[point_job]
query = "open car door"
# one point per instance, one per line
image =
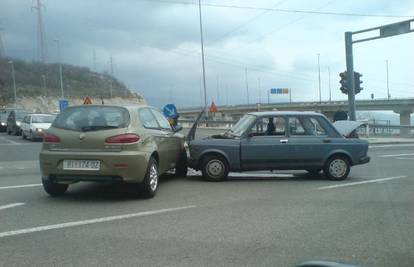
(191, 134)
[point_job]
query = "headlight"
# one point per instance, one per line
(3, 124)
(18, 123)
(39, 130)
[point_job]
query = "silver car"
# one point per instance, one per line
(278, 141)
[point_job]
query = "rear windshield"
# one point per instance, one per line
(42, 119)
(87, 118)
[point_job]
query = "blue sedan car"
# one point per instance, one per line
(278, 140)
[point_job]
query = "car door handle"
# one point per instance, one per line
(327, 140)
(284, 141)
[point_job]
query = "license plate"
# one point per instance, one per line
(87, 165)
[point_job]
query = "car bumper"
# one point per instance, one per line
(124, 166)
(364, 160)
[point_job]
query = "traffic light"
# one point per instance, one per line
(344, 82)
(358, 82)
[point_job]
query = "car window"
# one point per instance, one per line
(306, 126)
(269, 126)
(42, 119)
(147, 118)
(84, 118)
(296, 127)
(26, 119)
(162, 121)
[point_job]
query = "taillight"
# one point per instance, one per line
(51, 138)
(122, 139)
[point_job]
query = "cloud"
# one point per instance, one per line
(156, 46)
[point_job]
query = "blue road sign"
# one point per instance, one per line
(170, 111)
(63, 104)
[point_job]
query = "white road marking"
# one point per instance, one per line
(19, 186)
(10, 142)
(396, 155)
(91, 221)
(405, 158)
(10, 206)
(391, 145)
(362, 182)
(20, 168)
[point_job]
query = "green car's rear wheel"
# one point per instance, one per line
(150, 183)
(214, 168)
(54, 189)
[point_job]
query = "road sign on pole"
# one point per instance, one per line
(87, 101)
(170, 111)
(63, 103)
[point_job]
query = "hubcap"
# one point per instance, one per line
(215, 168)
(338, 168)
(153, 181)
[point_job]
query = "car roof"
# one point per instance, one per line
(128, 106)
(40, 114)
(285, 113)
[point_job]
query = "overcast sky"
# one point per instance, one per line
(156, 46)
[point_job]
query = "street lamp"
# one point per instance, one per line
(60, 66)
(14, 82)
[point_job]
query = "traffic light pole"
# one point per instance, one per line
(350, 74)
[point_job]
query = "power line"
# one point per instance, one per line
(328, 13)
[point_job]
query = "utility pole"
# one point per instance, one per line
(57, 41)
(227, 95)
(14, 82)
(2, 50)
(319, 78)
(218, 90)
(94, 61)
(247, 86)
(388, 81)
(111, 69)
(268, 96)
(202, 59)
(260, 93)
(44, 84)
(329, 84)
(41, 39)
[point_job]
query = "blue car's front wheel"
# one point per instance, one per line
(214, 168)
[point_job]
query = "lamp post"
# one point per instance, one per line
(14, 82)
(57, 41)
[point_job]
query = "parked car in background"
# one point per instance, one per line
(278, 140)
(4, 114)
(14, 121)
(103, 143)
(34, 125)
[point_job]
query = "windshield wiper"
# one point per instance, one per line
(97, 127)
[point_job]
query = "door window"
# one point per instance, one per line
(147, 119)
(269, 126)
(305, 126)
(162, 121)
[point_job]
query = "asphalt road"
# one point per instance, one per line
(255, 219)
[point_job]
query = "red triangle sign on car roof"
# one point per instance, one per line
(87, 101)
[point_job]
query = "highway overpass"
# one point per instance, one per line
(404, 107)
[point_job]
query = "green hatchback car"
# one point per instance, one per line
(102, 143)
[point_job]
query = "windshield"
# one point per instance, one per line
(42, 119)
(92, 118)
(243, 124)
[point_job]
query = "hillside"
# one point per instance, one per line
(77, 82)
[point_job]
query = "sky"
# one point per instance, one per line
(155, 46)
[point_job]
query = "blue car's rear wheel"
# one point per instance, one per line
(337, 168)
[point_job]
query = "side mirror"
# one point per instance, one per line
(177, 128)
